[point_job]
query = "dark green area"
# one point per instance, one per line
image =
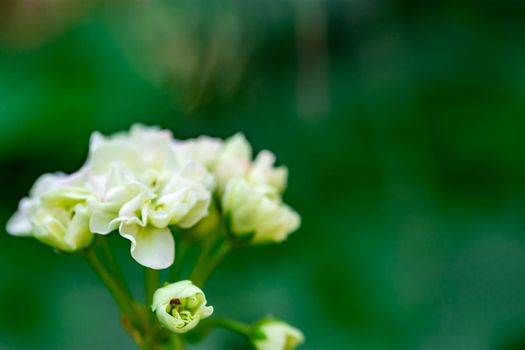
(403, 127)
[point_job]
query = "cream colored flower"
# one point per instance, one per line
(256, 213)
(180, 306)
(276, 335)
(251, 193)
(55, 213)
(142, 190)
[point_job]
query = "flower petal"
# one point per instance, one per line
(19, 224)
(180, 289)
(150, 246)
(102, 222)
(78, 234)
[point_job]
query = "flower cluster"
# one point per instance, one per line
(150, 188)
(145, 182)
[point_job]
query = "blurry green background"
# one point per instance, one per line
(402, 124)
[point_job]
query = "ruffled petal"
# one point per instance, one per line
(151, 247)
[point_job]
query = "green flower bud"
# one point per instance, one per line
(180, 306)
(275, 335)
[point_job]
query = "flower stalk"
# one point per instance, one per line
(117, 290)
(183, 250)
(209, 261)
(229, 324)
(151, 283)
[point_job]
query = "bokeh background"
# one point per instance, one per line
(402, 124)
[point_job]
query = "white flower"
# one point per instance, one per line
(55, 213)
(180, 306)
(204, 150)
(256, 213)
(276, 335)
(141, 190)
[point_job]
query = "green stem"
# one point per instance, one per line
(207, 247)
(203, 271)
(232, 325)
(112, 263)
(151, 283)
(178, 343)
(180, 259)
(150, 339)
(119, 293)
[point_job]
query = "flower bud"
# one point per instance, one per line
(180, 306)
(256, 214)
(264, 172)
(275, 335)
(233, 161)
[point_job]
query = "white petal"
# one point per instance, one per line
(150, 246)
(19, 224)
(263, 171)
(130, 208)
(154, 145)
(278, 335)
(205, 311)
(95, 140)
(78, 234)
(112, 153)
(102, 222)
(237, 146)
(199, 211)
(180, 289)
(46, 182)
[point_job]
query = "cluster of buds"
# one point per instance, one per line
(143, 185)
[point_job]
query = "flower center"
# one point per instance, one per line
(185, 308)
